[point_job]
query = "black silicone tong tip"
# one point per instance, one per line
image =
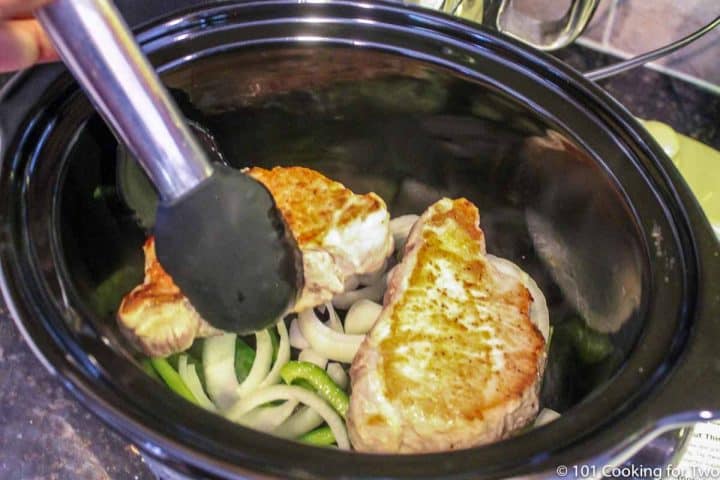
(253, 282)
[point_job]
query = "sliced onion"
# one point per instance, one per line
(283, 356)
(400, 228)
(311, 356)
(373, 292)
(338, 375)
(301, 422)
(334, 319)
(219, 367)
(219, 364)
(545, 416)
(371, 278)
(328, 343)
(539, 313)
(296, 337)
(267, 419)
(289, 392)
(192, 381)
(261, 366)
(362, 316)
(351, 283)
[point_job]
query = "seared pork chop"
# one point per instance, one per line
(340, 233)
(156, 316)
(454, 359)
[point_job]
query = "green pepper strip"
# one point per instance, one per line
(244, 358)
(549, 339)
(275, 340)
(147, 367)
(319, 380)
(321, 437)
(172, 379)
(304, 384)
(591, 346)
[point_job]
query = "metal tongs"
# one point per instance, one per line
(218, 231)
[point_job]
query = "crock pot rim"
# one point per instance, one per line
(74, 378)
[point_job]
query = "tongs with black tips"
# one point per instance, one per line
(218, 231)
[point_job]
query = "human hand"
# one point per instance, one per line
(22, 40)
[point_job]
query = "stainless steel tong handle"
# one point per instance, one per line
(97, 46)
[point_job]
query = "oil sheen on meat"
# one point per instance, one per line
(340, 234)
(156, 316)
(454, 360)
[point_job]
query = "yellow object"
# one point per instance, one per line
(468, 9)
(698, 163)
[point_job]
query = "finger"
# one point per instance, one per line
(20, 16)
(22, 44)
(14, 8)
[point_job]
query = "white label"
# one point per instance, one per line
(701, 459)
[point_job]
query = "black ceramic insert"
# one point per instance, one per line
(412, 106)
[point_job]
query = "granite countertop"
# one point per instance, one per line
(46, 433)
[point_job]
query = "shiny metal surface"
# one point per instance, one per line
(541, 34)
(652, 55)
(666, 449)
(100, 51)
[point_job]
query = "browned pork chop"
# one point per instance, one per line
(156, 316)
(454, 360)
(339, 233)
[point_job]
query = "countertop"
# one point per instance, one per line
(46, 433)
